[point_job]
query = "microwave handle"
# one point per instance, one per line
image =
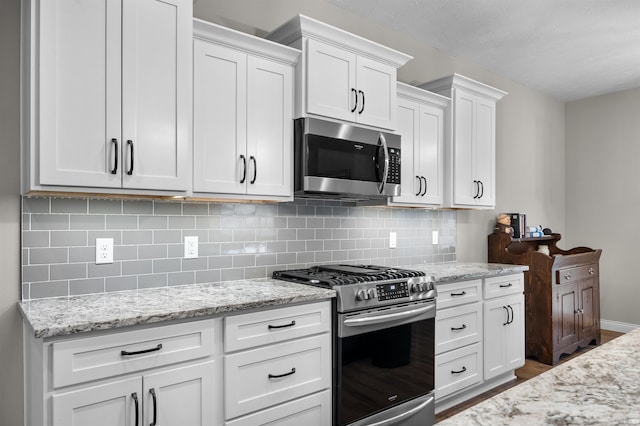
(385, 173)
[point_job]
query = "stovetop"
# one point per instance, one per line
(365, 286)
(337, 275)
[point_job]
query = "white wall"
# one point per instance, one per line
(530, 127)
(603, 193)
(11, 388)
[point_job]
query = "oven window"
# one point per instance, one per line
(340, 159)
(383, 368)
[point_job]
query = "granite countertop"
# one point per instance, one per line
(460, 271)
(77, 314)
(599, 387)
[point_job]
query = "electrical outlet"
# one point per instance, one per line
(434, 237)
(190, 247)
(393, 241)
(104, 250)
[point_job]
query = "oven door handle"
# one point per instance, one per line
(358, 322)
(395, 419)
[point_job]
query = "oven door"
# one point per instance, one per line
(385, 361)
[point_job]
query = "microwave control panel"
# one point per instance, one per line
(394, 166)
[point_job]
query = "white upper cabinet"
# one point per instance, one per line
(470, 147)
(421, 125)
(243, 115)
(341, 75)
(107, 95)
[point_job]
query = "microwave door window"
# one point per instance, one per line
(340, 159)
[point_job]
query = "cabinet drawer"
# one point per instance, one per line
(250, 377)
(458, 293)
(457, 327)
(503, 285)
(577, 273)
(275, 325)
(84, 359)
(458, 369)
(312, 410)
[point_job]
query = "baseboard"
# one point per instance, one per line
(620, 327)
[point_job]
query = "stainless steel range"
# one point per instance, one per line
(383, 342)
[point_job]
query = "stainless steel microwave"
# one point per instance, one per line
(342, 161)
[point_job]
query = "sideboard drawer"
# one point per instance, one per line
(457, 327)
(84, 359)
(458, 369)
(275, 325)
(567, 275)
(503, 285)
(458, 293)
(263, 377)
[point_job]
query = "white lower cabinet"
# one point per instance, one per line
(283, 369)
(479, 336)
(176, 396)
(276, 371)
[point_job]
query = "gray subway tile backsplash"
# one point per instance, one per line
(236, 241)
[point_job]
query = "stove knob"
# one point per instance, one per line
(372, 293)
(415, 288)
(362, 295)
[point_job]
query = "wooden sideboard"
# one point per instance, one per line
(562, 293)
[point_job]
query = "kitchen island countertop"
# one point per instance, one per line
(103, 311)
(599, 387)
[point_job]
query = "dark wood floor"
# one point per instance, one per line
(530, 369)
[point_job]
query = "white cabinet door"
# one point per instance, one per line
(331, 81)
(182, 396)
(421, 126)
(408, 127)
(376, 86)
(219, 119)
(79, 93)
(111, 404)
(269, 128)
(156, 43)
(430, 153)
(485, 151)
(503, 335)
(465, 185)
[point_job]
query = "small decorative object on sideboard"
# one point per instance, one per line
(561, 290)
(504, 224)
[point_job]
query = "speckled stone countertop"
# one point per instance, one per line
(459, 271)
(77, 314)
(599, 387)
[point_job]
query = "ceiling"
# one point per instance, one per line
(569, 49)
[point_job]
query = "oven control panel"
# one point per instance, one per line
(392, 291)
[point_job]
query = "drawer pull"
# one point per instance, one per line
(567, 276)
(592, 271)
(462, 293)
(136, 406)
(459, 371)
(144, 351)
(152, 391)
(506, 285)
(277, 376)
(291, 324)
(459, 328)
